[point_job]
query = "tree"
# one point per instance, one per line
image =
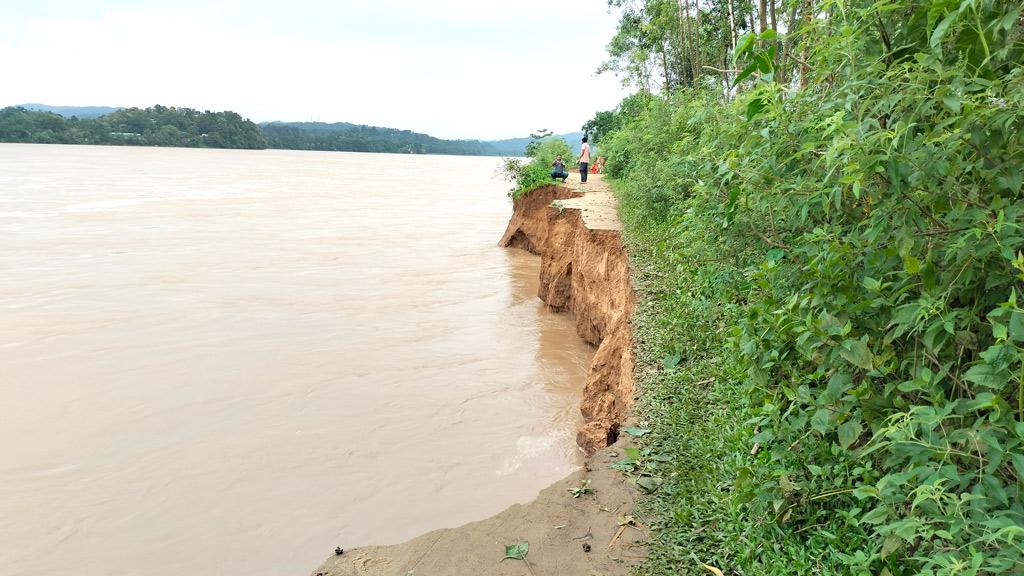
(536, 138)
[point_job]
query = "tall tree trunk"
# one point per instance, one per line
(787, 45)
(727, 87)
(696, 51)
(732, 28)
(775, 27)
(684, 33)
(690, 44)
(664, 67)
(805, 51)
(762, 15)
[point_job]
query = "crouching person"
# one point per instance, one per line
(558, 169)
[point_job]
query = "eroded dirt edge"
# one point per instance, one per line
(584, 271)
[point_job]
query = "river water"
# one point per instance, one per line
(230, 362)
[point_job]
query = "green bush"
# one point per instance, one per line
(849, 257)
(527, 176)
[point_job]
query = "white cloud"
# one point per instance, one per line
(438, 77)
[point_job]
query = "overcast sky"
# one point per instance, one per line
(450, 68)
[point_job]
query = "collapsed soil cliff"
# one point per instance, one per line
(585, 271)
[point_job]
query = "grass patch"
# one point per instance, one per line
(691, 283)
(691, 393)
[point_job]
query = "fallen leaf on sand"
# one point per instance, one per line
(713, 570)
(517, 551)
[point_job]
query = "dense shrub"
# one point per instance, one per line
(860, 240)
(536, 172)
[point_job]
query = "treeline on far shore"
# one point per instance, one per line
(185, 127)
(156, 126)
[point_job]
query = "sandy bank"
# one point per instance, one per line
(584, 271)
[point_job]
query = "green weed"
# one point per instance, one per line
(582, 489)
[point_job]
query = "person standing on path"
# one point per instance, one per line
(584, 159)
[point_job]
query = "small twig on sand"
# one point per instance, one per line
(617, 534)
(528, 566)
(589, 534)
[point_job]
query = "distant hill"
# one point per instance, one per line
(346, 137)
(69, 111)
(517, 146)
(182, 127)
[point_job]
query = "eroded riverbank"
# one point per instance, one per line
(584, 270)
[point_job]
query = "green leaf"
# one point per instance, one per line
(754, 107)
(862, 492)
(838, 384)
(999, 355)
(952, 102)
(999, 331)
(911, 265)
(986, 375)
(821, 420)
(746, 42)
(849, 432)
(929, 275)
(742, 486)
(1016, 327)
(1018, 464)
(941, 29)
(648, 484)
(876, 516)
(517, 551)
(750, 69)
(982, 401)
(671, 361)
(637, 432)
(1008, 20)
(892, 543)
(624, 465)
(856, 352)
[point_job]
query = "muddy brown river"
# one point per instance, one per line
(230, 362)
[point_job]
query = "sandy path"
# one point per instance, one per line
(598, 206)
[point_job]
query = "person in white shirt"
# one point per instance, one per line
(584, 160)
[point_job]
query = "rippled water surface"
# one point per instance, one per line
(229, 362)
